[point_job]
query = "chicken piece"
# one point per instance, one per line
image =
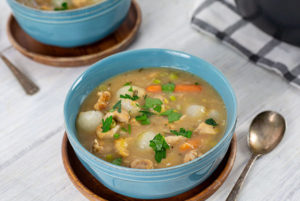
(122, 117)
(96, 148)
(204, 128)
(99, 147)
(191, 155)
(121, 146)
(107, 135)
(141, 164)
(102, 102)
(172, 140)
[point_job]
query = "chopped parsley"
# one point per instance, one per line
(168, 88)
(211, 122)
(130, 89)
(116, 135)
(64, 6)
(117, 106)
(106, 124)
(160, 146)
(117, 161)
(182, 132)
(127, 96)
(144, 117)
(172, 115)
(154, 103)
(127, 83)
(128, 130)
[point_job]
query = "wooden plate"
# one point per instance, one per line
(95, 191)
(78, 56)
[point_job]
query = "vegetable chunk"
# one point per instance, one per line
(204, 128)
(121, 146)
(141, 164)
(88, 121)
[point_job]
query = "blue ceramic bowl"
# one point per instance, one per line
(155, 183)
(71, 28)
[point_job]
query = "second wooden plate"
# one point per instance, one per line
(78, 56)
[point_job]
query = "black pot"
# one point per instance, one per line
(280, 18)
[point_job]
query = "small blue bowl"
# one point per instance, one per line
(155, 183)
(71, 28)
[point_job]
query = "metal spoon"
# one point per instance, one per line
(28, 85)
(265, 133)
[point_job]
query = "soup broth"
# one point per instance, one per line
(58, 4)
(151, 118)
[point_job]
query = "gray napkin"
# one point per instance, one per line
(221, 19)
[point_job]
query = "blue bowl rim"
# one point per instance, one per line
(97, 160)
(71, 11)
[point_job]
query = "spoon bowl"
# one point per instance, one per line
(266, 131)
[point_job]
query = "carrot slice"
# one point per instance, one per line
(178, 88)
(186, 146)
(190, 144)
(154, 88)
(187, 88)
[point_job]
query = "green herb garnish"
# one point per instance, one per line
(172, 115)
(117, 161)
(116, 135)
(128, 130)
(64, 6)
(160, 146)
(144, 117)
(106, 124)
(127, 96)
(182, 132)
(211, 122)
(127, 83)
(196, 83)
(130, 89)
(168, 88)
(154, 103)
(117, 106)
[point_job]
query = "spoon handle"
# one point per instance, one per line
(29, 87)
(235, 190)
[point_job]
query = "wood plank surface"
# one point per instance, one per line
(31, 127)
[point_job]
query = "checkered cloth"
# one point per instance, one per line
(221, 19)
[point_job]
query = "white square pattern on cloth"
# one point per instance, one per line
(221, 19)
(251, 37)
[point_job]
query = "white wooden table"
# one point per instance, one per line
(31, 127)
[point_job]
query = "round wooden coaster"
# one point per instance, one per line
(95, 191)
(78, 56)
